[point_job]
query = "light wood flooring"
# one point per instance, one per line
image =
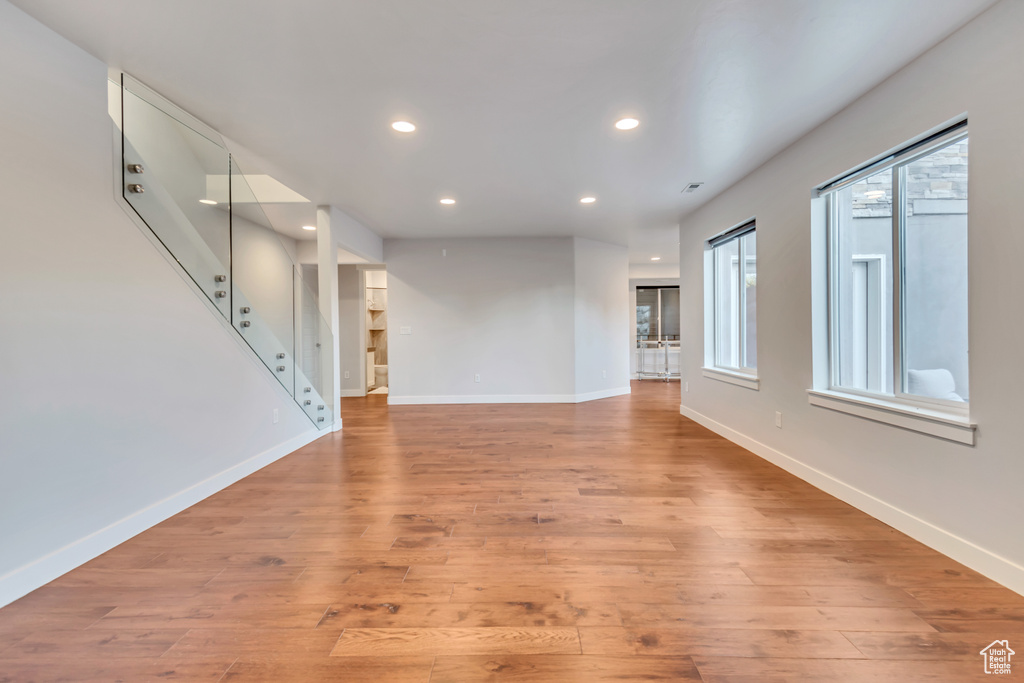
(608, 541)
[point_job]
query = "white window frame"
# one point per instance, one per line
(940, 417)
(713, 369)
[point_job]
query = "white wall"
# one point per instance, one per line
(306, 252)
(602, 318)
(124, 398)
(965, 501)
(500, 307)
(352, 345)
(263, 270)
(539, 318)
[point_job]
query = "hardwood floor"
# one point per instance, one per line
(612, 540)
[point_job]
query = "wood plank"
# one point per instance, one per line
(946, 597)
(684, 640)
(37, 612)
(73, 666)
(101, 643)
(605, 544)
(348, 669)
(211, 616)
(963, 646)
(387, 642)
(767, 670)
(796, 574)
(783, 617)
(836, 596)
(967, 619)
(508, 613)
(244, 641)
(605, 575)
(547, 668)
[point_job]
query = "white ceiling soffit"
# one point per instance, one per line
(346, 257)
(514, 100)
(653, 271)
(265, 201)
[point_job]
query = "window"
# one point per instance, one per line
(897, 276)
(732, 271)
(657, 313)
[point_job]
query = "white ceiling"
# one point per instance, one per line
(514, 99)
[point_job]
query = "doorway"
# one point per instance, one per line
(657, 333)
(376, 295)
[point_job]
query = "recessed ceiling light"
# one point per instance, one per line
(208, 201)
(588, 200)
(403, 126)
(448, 200)
(655, 258)
(309, 227)
(627, 124)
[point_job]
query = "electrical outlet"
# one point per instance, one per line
(686, 387)
(778, 419)
(604, 374)
(476, 378)
(404, 330)
(277, 416)
(347, 374)
(444, 252)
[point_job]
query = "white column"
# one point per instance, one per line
(327, 268)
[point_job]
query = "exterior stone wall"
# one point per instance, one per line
(936, 184)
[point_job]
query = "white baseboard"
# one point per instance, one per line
(604, 393)
(505, 398)
(998, 568)
(27, 578)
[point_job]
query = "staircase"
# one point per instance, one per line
(181, 180)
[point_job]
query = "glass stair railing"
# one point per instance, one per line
(183, 183)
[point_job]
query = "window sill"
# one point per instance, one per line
(740, 379)
(936, 423)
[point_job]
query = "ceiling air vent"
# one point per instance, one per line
(690, 187)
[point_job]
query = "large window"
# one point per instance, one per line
(657, 313)
(733, 297)
(897, 274)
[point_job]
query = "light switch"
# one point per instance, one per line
(405, 330)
